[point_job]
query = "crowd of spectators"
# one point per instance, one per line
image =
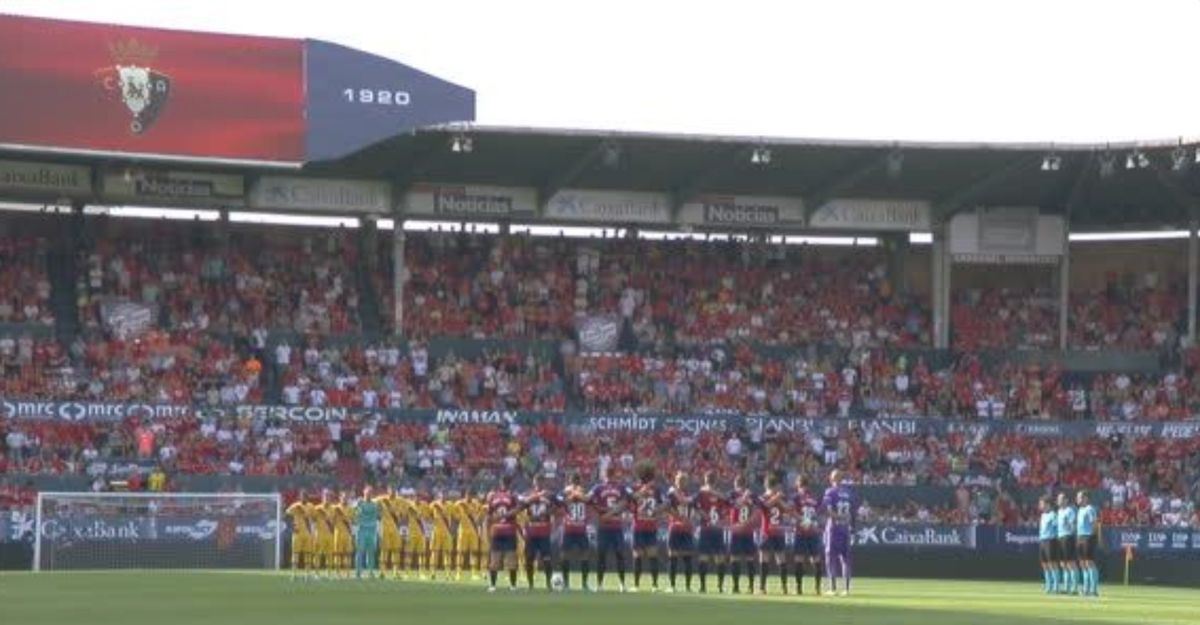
(481, 286)
(1130, 312)
(156, 367)
(993, 319)
(692, 294)
(665, 293)
(873, 382)
(235, 283)
(385, 375)
(246, 316)
(24, 282)
(1141, 480)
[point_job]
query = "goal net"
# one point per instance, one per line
(157, 531)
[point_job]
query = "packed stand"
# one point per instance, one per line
(1000, 318)
(385, 376)
(1130, 312)
(195, 280)
(1147, 481)
(157, 367)
(685, 294)
(872, 382)
(478, 286)
(24, 282)
(693, 294)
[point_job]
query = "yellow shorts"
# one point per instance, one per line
(469, 541)
(323, 544)
(301, 543)
(390, 541)
(416, 539)
(343, 542)
(441, 541)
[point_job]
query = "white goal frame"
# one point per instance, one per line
(275, 498)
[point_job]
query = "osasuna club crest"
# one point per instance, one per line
(140, 88)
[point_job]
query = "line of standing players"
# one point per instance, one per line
(732, 533)
(1069, 538)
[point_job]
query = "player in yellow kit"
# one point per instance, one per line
(302, 535)
(467, 544)
(522, 519)
(441, 537)
(390, 546)
(321, 517)
(418, 556)
(402, 508)
(479, 509)
(343, 535)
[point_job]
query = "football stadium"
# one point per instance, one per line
(287, 336)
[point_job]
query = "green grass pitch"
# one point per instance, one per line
(184, 598)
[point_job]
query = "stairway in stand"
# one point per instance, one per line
(63, 273)
(368, 299)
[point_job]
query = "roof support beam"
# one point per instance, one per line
(1075, 194)
(1181, 195)
(563, 178)
(711, 174)
(845, 181)
(418, 165)
(947, 206)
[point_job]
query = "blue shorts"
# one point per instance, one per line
(610, 540)
(537, 548)
(742, 545)
(504, 544)
(681, 542)
(775, 543)
(808, 545)
(575, 541)
(712, 542)
(645, 539)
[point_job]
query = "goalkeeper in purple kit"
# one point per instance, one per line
(841, 509)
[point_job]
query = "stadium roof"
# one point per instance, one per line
(1150, 193)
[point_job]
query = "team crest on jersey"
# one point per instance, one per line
(141, 89)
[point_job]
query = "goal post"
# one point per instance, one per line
(97, 531)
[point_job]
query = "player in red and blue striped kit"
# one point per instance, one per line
(502, 506)
(711, 508)
(743, 520)
(806, 509)
(611, 500)
(681, 507)
(577, 515)
(774, 512)
(647, 502)
(539, 506)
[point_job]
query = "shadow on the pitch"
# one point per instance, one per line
(607, 609)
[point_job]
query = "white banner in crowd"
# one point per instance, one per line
(177, 187)
(743, 211)
(321, 194)
(45, 180)
(598, 333)
(470, 201)
(609, 207)
(125, 319)
(865, 214)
